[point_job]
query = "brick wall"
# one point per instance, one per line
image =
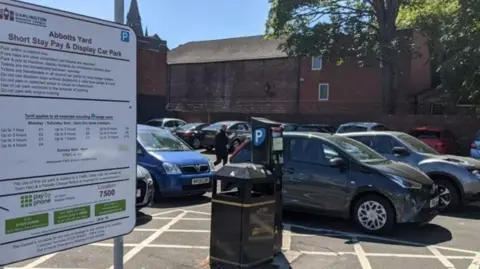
(152, 72)
(354, 88)
(236, 86)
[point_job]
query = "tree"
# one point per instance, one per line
(340, 29)
(452, 28)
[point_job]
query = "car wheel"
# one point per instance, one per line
(157, 196)
(449, 196)
(235, 144)
(374, 214)
(196, 143)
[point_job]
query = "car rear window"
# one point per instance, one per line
(351, 129)
(308, 129)
(289, 127)
(379, 128)
(425, 134)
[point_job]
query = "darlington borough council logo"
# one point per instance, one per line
(7, 14)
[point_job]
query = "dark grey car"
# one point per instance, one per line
(338, 176)
(458, 178)
(237, 132)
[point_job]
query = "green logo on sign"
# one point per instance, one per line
(26, 201)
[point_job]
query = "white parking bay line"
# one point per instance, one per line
(176, 246)
(39, 260)
(166, 212)
(440, 257)
(362, 257)
(187, 231)
(475, 263)
(151, 238)
(287, 237)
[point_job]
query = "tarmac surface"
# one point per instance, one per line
(175, 235)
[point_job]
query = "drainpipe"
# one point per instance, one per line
(299, 75)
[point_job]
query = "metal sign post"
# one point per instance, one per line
(118, 241)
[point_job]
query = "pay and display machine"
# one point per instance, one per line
(267, 150)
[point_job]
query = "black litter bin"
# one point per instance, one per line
(242, 221)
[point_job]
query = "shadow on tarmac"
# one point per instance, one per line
(470, 211)
(143, 218)
(404, 235)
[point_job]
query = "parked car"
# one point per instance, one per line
(441, 139)
(289, 127)
(237, 131)
(144, 194)
(321, 128)
(360, 127)
(475, 146)
(335, 175)
(168, 123)
(192, 133)
(176, 168)
(458, 178)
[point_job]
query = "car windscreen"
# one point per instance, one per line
(425, 134)
(189, 126)
(416, 144)
(161, 141)
(356, 149)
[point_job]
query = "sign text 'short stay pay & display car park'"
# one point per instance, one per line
(67, 130)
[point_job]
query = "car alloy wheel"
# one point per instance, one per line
(196, 143)
(372, 215)
(235, 144)
(445, 197)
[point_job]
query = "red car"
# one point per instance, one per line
(440, 139)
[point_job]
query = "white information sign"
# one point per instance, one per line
(67, 130)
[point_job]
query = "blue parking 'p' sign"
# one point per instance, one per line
(125, 36)
(259, 136)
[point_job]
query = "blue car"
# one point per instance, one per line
(176, 169)
(475, 147)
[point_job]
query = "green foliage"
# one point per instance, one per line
(452, 28)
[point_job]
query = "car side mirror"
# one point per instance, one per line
(400, 151)
(139, 152)
(337, 162)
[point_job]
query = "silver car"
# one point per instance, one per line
(458, 178)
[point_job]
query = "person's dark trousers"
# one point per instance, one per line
(221, 158)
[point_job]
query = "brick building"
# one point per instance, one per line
(250, 75)
(151, 69)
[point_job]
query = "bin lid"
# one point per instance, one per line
(243, 171)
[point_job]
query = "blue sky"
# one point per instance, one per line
(181, 21)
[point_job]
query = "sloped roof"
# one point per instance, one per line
(231, 49)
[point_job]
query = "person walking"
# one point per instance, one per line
(221, 145)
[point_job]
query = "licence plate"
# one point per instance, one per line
(434, 202)
(198, 181)
(139, 192)
(211, 136)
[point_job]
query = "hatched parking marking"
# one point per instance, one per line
(292, 255)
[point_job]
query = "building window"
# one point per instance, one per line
(317, 63)
(323, 91)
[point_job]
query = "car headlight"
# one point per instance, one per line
(476, 173)
(405, 183)
(171, 169)
(212, 166)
